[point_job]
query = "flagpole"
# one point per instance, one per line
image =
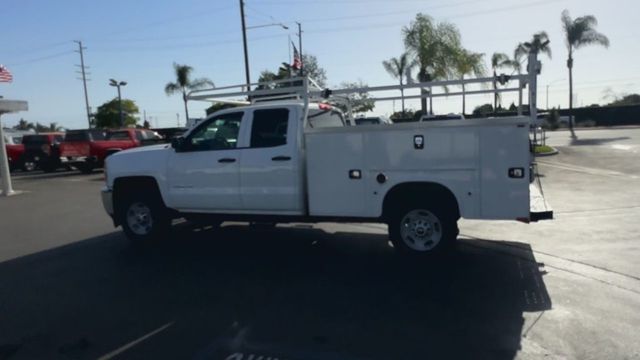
(289, 45)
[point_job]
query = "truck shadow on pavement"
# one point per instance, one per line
(591, 142)
(288, 293)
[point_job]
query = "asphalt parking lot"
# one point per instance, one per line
(71, 287)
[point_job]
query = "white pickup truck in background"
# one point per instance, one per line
(297, 161)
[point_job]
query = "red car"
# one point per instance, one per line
(87, 149)
(42, 151)
(14, 153)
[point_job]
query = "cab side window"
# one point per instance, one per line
(219, 133)
(269, 128)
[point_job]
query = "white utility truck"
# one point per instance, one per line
(287, 155)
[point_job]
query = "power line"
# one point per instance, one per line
(42, 58)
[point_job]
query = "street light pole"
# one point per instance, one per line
(118, 84)
(244, 42)
(120, 107)
(300, 46)
(549, 84)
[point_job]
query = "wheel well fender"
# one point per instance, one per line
(125, 186)
(404, 192)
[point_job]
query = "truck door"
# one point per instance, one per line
(203, 174)
(270, 171)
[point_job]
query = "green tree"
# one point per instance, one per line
(359, 100)
(483, 110)
(24, 125)
(632, 99)
(435, 47)
(184, 84)
(398, 68)
(313, 69)
(469, 63)
(108, 114)
(579, 32)
(217, 107)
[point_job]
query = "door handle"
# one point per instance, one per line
(281, 158)
(227, 160)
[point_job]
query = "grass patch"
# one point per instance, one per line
(543, 149)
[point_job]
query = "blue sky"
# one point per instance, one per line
(138, 41)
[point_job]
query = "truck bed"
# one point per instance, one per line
(472, 158)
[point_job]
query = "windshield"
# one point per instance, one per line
(35, 139)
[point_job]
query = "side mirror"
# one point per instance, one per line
(177, 143)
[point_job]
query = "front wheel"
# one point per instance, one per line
(421, 229)
(144, 218)
(28, 165)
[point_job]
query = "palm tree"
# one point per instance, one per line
(579, 32)
(398, 68)
(538, 44)
(435, 47)
(184, 84)
(471, 63)
(498, 61)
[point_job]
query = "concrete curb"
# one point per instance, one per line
(550, 153)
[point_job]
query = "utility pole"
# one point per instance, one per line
(84, 79)
(178, 119)
(300, 46)
(244, 42)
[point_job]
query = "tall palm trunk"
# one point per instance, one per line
(570, 66)
(430, 100)
(495, 92)
(464, 98)
(186, 109)
(402, 94)
(422, 77)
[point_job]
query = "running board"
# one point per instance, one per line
(539, 209)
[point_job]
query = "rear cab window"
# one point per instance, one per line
(118, 135)
(325, 116)
(84, 135)
(269, 128)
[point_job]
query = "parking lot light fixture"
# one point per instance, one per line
(118, 84)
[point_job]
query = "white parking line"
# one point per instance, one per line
(587, 170)
(135, 342)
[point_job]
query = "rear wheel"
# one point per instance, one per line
(85, 168)
(48, 166)
(144, 217)
(423, 229)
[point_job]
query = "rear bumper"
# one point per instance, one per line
(78, 159)
(107, 200)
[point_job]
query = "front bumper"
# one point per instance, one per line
(107, 200)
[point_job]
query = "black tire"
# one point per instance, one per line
(432, 231)
(85, 168)
(48, 167)
(143, 217)
(28, 165)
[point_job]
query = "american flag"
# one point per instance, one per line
(5, 75)
(297, 61)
